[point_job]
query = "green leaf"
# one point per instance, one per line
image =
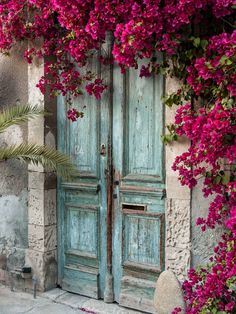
(226, 179)
(196, 42)
(229, 62)
(209, 66)
(225, 60)
(203, 43)
(18, 114)
(217, 179)
(48, 157)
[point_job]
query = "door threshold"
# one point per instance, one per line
(85, 304)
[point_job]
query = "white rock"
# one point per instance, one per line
(168, 293)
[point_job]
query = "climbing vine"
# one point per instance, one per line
(198, 42)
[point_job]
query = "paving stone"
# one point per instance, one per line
(72, 300)
(53, 308)
(21, 303)
(99, 307)
(168, 293)
(53, 294)
(55, 301)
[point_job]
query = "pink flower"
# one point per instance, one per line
(73, 114)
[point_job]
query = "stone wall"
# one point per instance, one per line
(186, 245)
(42, 221)
(178, 204)
(28, 232)
(13, 179)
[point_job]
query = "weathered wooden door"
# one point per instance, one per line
(111, 217)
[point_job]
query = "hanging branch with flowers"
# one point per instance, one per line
(198, 41)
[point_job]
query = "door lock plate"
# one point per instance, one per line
(103, 150)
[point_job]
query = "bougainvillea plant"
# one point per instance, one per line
(198, 42)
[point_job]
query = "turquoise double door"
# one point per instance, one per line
(111, 216)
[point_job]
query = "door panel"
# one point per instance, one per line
(142, 150)
(82, 201)
(111, 216)
(138, 231)
(139, 188)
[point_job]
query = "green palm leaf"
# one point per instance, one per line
(48, 157)
(18, 115)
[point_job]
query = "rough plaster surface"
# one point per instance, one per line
(202, 242)
(178, 221)
(178, 236)
(13, 180)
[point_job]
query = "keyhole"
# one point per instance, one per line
(103, 150)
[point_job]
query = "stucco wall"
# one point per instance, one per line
(14, 178)
(202, 242)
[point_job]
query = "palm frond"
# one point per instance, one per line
(48, 157)
(18, 114)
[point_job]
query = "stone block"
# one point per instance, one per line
(174, 190)
(72, 300)
(54, 294)
(36, 237)
(36, 180)
(36, 207)
(44, 267)
(36, 130)
(178, 260)
(171, 84)
(42, 206)
(178, 223)
(50, 206)
(42, 238)
(168, 294)
(173, 150)
(50, 238)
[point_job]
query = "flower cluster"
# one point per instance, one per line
(72, 30)
(213, 289)
(96, 88)
(73, 114)
(212, 133)
(214, 72)
(198, 38)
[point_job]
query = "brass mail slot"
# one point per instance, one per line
(134, 207)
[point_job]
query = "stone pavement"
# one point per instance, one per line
(55, 301)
